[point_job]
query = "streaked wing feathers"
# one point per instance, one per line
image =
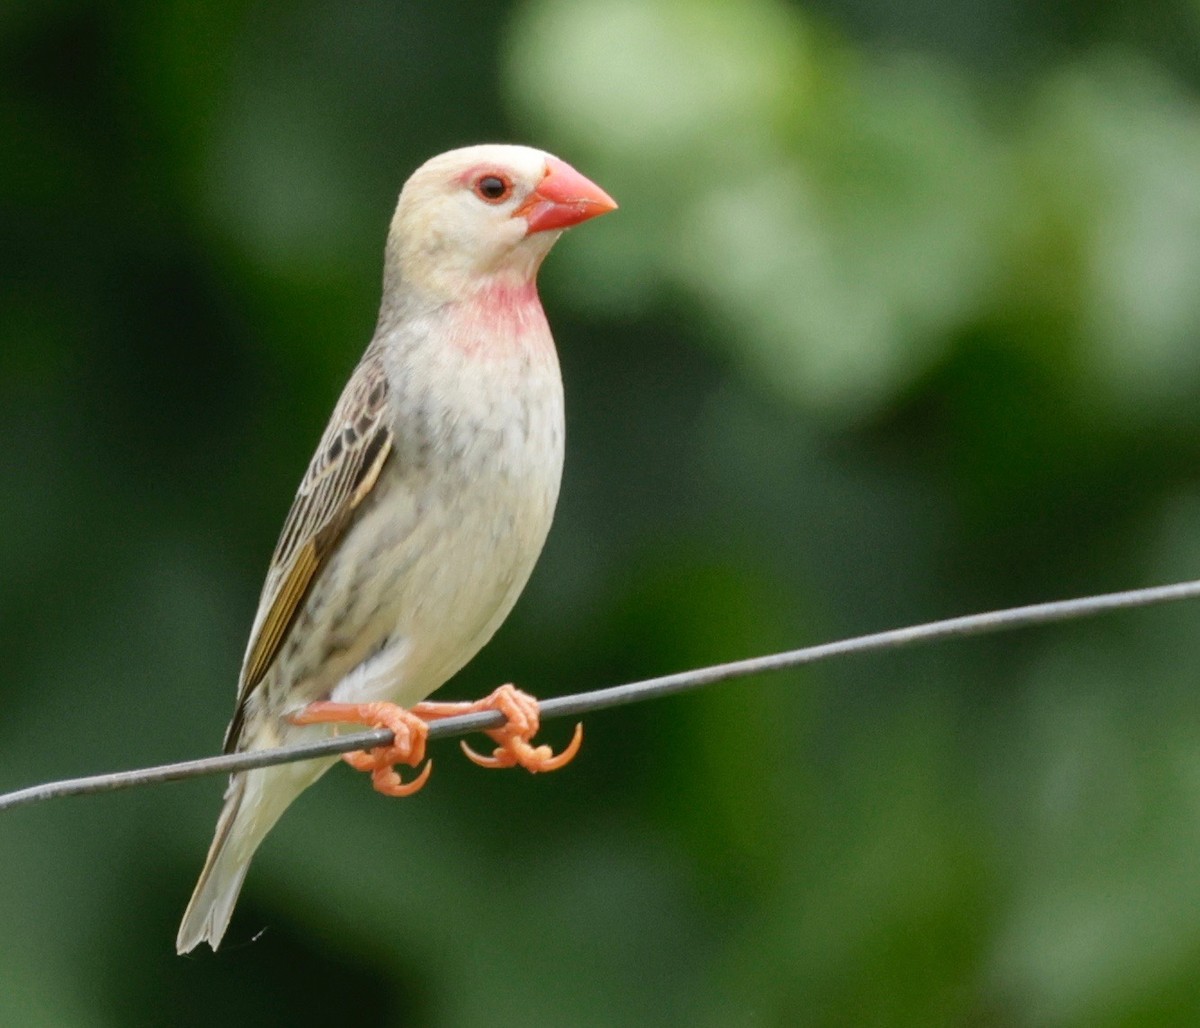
(343, 471)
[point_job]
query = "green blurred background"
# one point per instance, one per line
(900, 319)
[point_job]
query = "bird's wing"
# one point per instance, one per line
(343, 471)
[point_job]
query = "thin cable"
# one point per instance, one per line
(620, 695)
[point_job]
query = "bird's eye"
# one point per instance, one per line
(493, 188)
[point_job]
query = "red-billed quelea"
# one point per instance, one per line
(424, 508)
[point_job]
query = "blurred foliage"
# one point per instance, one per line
(900, 318)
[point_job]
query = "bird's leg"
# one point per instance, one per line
(513, 739)
(408, 746)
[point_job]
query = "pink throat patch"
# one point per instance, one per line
(502, 319)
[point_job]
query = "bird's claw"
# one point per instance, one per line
(514, 749)
(387, 781)
(407, 747)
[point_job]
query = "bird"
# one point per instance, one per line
(423, 510)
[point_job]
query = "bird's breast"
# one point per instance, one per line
(469, 495)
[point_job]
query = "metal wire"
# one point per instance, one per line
(620, 695)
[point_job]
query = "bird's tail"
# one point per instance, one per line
(212, 902)
(251, 810)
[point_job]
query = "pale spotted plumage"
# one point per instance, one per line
(425, 505)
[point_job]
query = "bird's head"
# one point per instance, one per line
(484, 214)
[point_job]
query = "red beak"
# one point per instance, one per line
(563, 198)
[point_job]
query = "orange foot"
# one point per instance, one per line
(408, 747)
(514, 747)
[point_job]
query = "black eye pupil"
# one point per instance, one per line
(491, 187)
